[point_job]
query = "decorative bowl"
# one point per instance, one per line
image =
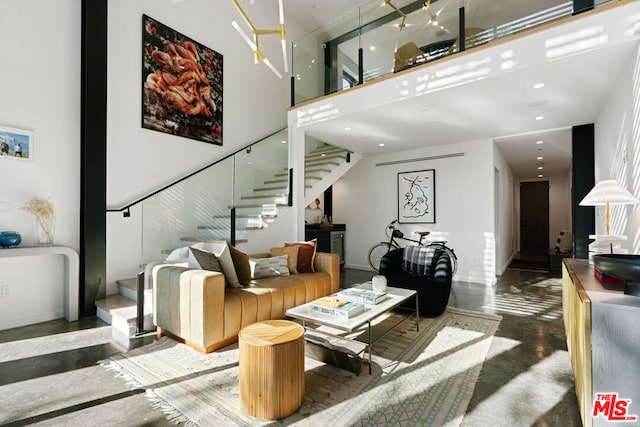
(621, 266)
(9, 239)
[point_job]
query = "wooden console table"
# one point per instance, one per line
(603, 339)
(72, 275)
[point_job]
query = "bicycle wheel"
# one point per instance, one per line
(376, 253)
(453, 258)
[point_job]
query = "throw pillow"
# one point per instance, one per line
(418, 259)
(292, 252)
(267, 267)
(204, 260)
(564, 243)
(306, 254)
(221, 250)
(241, 264)
(178, 255)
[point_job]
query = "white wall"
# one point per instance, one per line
(366, 200)
(504, 212)
(139, 160)
(617, 152)
(40, 77)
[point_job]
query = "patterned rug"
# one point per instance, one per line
(419, 378)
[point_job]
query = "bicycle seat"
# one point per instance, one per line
(422, 233)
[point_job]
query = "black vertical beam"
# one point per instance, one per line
(580, 6)
(582, 181)
(360, 66)
(461, 30)
(293, 91)
(290, 198)
(93, 152)
(328, 202)
(232, 237)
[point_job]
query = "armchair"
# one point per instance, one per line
(433, 288)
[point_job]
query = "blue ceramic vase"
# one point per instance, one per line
(9, 239)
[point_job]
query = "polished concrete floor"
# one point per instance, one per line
(49, 372)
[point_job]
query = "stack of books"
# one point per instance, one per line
(363, 296)
(337, 307)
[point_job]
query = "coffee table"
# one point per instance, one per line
(395, 297)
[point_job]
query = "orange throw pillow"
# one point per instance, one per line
(306, 254)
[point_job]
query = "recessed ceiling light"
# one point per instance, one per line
(381, 144)
(323, 155)
(538, 85)
(539, 158)
(372, 48)
(539, 142)
(539, 117)
(347, 128)
(284, 141)
(540, 176)
(540, 168)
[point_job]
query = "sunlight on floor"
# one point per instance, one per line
(56, 343)
(529, 396)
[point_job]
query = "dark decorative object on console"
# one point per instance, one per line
(10, 239)
(433, 288)
(621, 266)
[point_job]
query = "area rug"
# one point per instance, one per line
(418, 378)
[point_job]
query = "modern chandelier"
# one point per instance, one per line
(253, 41)
(425, 6)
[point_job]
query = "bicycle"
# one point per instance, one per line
(378, 250)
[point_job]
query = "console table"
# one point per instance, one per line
(72, 275)
(603, 339)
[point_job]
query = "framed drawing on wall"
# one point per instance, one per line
(16, 144)
(181, 84)
(417, 197)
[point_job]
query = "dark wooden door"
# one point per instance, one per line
(534, 218)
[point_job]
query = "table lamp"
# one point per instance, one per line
(606, 193)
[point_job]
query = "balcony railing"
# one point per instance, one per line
(377, 39)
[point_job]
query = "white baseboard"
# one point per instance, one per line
(31, 319)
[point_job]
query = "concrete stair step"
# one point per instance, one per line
(121, 312)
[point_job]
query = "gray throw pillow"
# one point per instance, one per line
(204, 260)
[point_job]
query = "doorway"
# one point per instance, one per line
(534, 219)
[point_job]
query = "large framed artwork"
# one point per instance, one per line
(181, 84)
(417, 197)
(16, 144)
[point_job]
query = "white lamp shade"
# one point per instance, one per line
(608, 191)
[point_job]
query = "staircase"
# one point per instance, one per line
(120, 310)
(254, 212)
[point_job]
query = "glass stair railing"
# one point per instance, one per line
(233, 198)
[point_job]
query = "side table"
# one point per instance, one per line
(271, 368)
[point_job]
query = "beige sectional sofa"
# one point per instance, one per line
(195, 307)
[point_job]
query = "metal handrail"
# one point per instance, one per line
(126, 207)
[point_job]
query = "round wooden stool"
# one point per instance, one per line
(271, 368)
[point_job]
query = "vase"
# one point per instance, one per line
(379, 283)
(44, 231)
(9, 239)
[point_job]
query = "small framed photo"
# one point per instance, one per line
(16, 144)
(417, 197)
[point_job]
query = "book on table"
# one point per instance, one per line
(364, 296)
(337, 307)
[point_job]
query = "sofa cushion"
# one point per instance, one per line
(241, 264)
(418, 259)
(267, 267)
(306, 253)
(292, 253)
(221, 250)
(204, 260)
